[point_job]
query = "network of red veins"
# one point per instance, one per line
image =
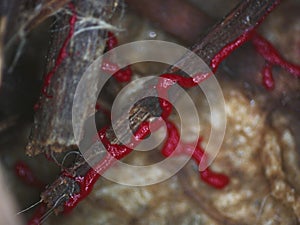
(116, 152)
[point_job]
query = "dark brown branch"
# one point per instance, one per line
(245, 17)
(52, 130)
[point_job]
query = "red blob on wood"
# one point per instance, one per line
(267, 77)
(112, 41)
(124, 74)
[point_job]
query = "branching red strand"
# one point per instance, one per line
(273, 58)
(60, 58)
(265, 49)
(62, 53)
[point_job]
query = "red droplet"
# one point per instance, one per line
(123, 75)
(267, 77)
(27, 176)
(112, 41)
(37, 106)
(214, 179)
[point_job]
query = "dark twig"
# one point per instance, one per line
(69, 57)
(242, 20)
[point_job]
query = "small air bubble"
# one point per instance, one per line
(38, 7)
(152, 34)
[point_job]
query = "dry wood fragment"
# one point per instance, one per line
(52, 129)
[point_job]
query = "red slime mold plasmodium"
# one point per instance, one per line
(63, 54)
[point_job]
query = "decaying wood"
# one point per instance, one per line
(246, 16)
(52, 129)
